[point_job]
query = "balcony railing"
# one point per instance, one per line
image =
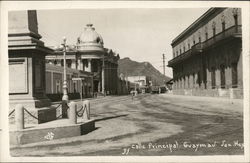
(232, 32)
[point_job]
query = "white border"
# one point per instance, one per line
(38, 5)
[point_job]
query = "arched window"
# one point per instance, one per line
(206, 33)
(235, 14)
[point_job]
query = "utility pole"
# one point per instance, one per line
(163, 57)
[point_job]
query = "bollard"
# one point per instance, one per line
(72, 113)
(86, 107)
(19, 117)
(64, 109)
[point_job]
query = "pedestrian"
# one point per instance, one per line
(132, 95)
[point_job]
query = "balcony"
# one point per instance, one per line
(228, 34)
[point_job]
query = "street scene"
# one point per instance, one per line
(151, 125)
(125, 82)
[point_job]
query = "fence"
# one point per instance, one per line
(72, 113)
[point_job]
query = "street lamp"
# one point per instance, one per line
(65, 88)
(103, 76)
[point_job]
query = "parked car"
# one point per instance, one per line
(163, 89)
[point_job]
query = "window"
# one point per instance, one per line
(193, 42)
(62, 63)
(95, 66)
(213, 78)
(206, 35)
(223, 26)
(58, 86)
(235, 14)
(188, 86)
(69, 63)
(236, 20)
(214, 28)
(180, 51)
(184, 49)
(223, 22)
(234, 75)
(199, 39)
(222, 76)
(214, 31)
(188, 46)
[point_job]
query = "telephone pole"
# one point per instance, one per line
(163, 57)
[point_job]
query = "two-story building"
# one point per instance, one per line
(207, 56)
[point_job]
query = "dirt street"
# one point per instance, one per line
(153, 125)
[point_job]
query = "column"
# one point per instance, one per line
(195, 80)
(209, 79)
(73, 64)
(191, 85)
(79, 64)
(217, 75)
(228, 76)
(88, 69)
(187, 82)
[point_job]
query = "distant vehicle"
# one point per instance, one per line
(163, 89)
(155, 89)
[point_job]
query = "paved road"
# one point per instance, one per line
(153, 125)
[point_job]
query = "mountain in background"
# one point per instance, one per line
(128, 67)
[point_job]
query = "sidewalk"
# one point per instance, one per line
(213, 103)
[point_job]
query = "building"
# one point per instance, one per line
(207, 56)
(76, 88)
(89, 55)
(141, 83)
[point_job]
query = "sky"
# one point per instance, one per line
(141, 34)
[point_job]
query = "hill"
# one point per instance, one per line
(129, 67)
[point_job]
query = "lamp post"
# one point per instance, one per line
(103, 76)
(65, 88)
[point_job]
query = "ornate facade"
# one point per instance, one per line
(90, 55)
(207, 56)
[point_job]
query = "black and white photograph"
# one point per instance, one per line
(125, 80)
